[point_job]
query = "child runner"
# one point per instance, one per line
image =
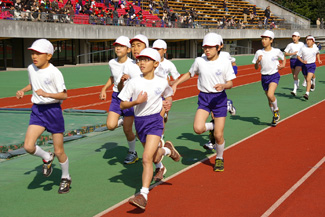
(307, 55)
(230, 105)
(146, 93)
(268, 58)
(295, 65)
(164, 70)
(215, 75)
(49, 90)
(131, 70)
(122, 48)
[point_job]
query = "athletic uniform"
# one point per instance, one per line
(46, 112)
(167, 68)
(269, 66)
(116, 69)
(147, 115)
(309, 55)
(292, 48)
(211, 73)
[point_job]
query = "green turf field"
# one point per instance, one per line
(100, 180)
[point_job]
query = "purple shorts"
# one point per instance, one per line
(49, 116)
(215, 102)
(115, 106)
(267, 79)
(308, 68)
(294, 63)
(148, 125)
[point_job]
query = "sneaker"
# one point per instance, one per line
(276, 115)
(294, 93)
(218, 166)
(160, 172)
(166, 117)
(139, 201)
(209, 146)
(304, 84)
(230, 107)
(47, 166)
(306, 96)
(312, 87)
(173, 152)
(64, 186)
(131, 157)
(211, 135)
(273, 123)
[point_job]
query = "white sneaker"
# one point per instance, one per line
(208, 146)
(294, 93)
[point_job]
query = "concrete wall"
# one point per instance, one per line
(22, 29)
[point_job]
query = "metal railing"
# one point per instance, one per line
(96, 56)
(287, 9)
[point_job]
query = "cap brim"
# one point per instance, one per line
(35, 50)
(115, 43)
(136, 39)
(145, 56)
(158, 48)
(266, 36)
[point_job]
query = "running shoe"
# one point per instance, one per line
(47, 165)
(230, 107)
(64, 186)
(273, 123)
(304, 84)
(294, 93)
(306, 96)
(218, 166)
(139, 201)
(312, 87)
(276, 115)
(173, 152)
(209, 146)
(160, 172)
(211, 134)
(131, 157)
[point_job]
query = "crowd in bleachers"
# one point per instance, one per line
(127, 13)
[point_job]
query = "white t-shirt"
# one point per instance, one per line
(167, 68)
(116, 69)
(211, 73)
(154, 88)
(270, 60)
(50, 80)
(132, 69)
(308, 54)
(292, 47)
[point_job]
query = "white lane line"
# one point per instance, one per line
(293, 188)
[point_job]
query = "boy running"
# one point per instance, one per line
(268, 58)
(49, 90)
(146, 93)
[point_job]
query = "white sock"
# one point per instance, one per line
(131, 145)
(167, 151)
(220, 149)
(275, 105)
(295, 86)
(307, 93)
(120, 122)
(209, 126)
(272, 110)
(159, 165)
(65, 170)
(39, 152)
(314, 81)
(144, 191)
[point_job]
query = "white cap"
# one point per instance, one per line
(42, 46)
(268, 33)
(211, 39)
(123, 40)
(151, 53)
(310, 37)
(141, 38)
(160, 44)
(296, 34)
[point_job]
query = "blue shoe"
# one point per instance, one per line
(230, 107)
